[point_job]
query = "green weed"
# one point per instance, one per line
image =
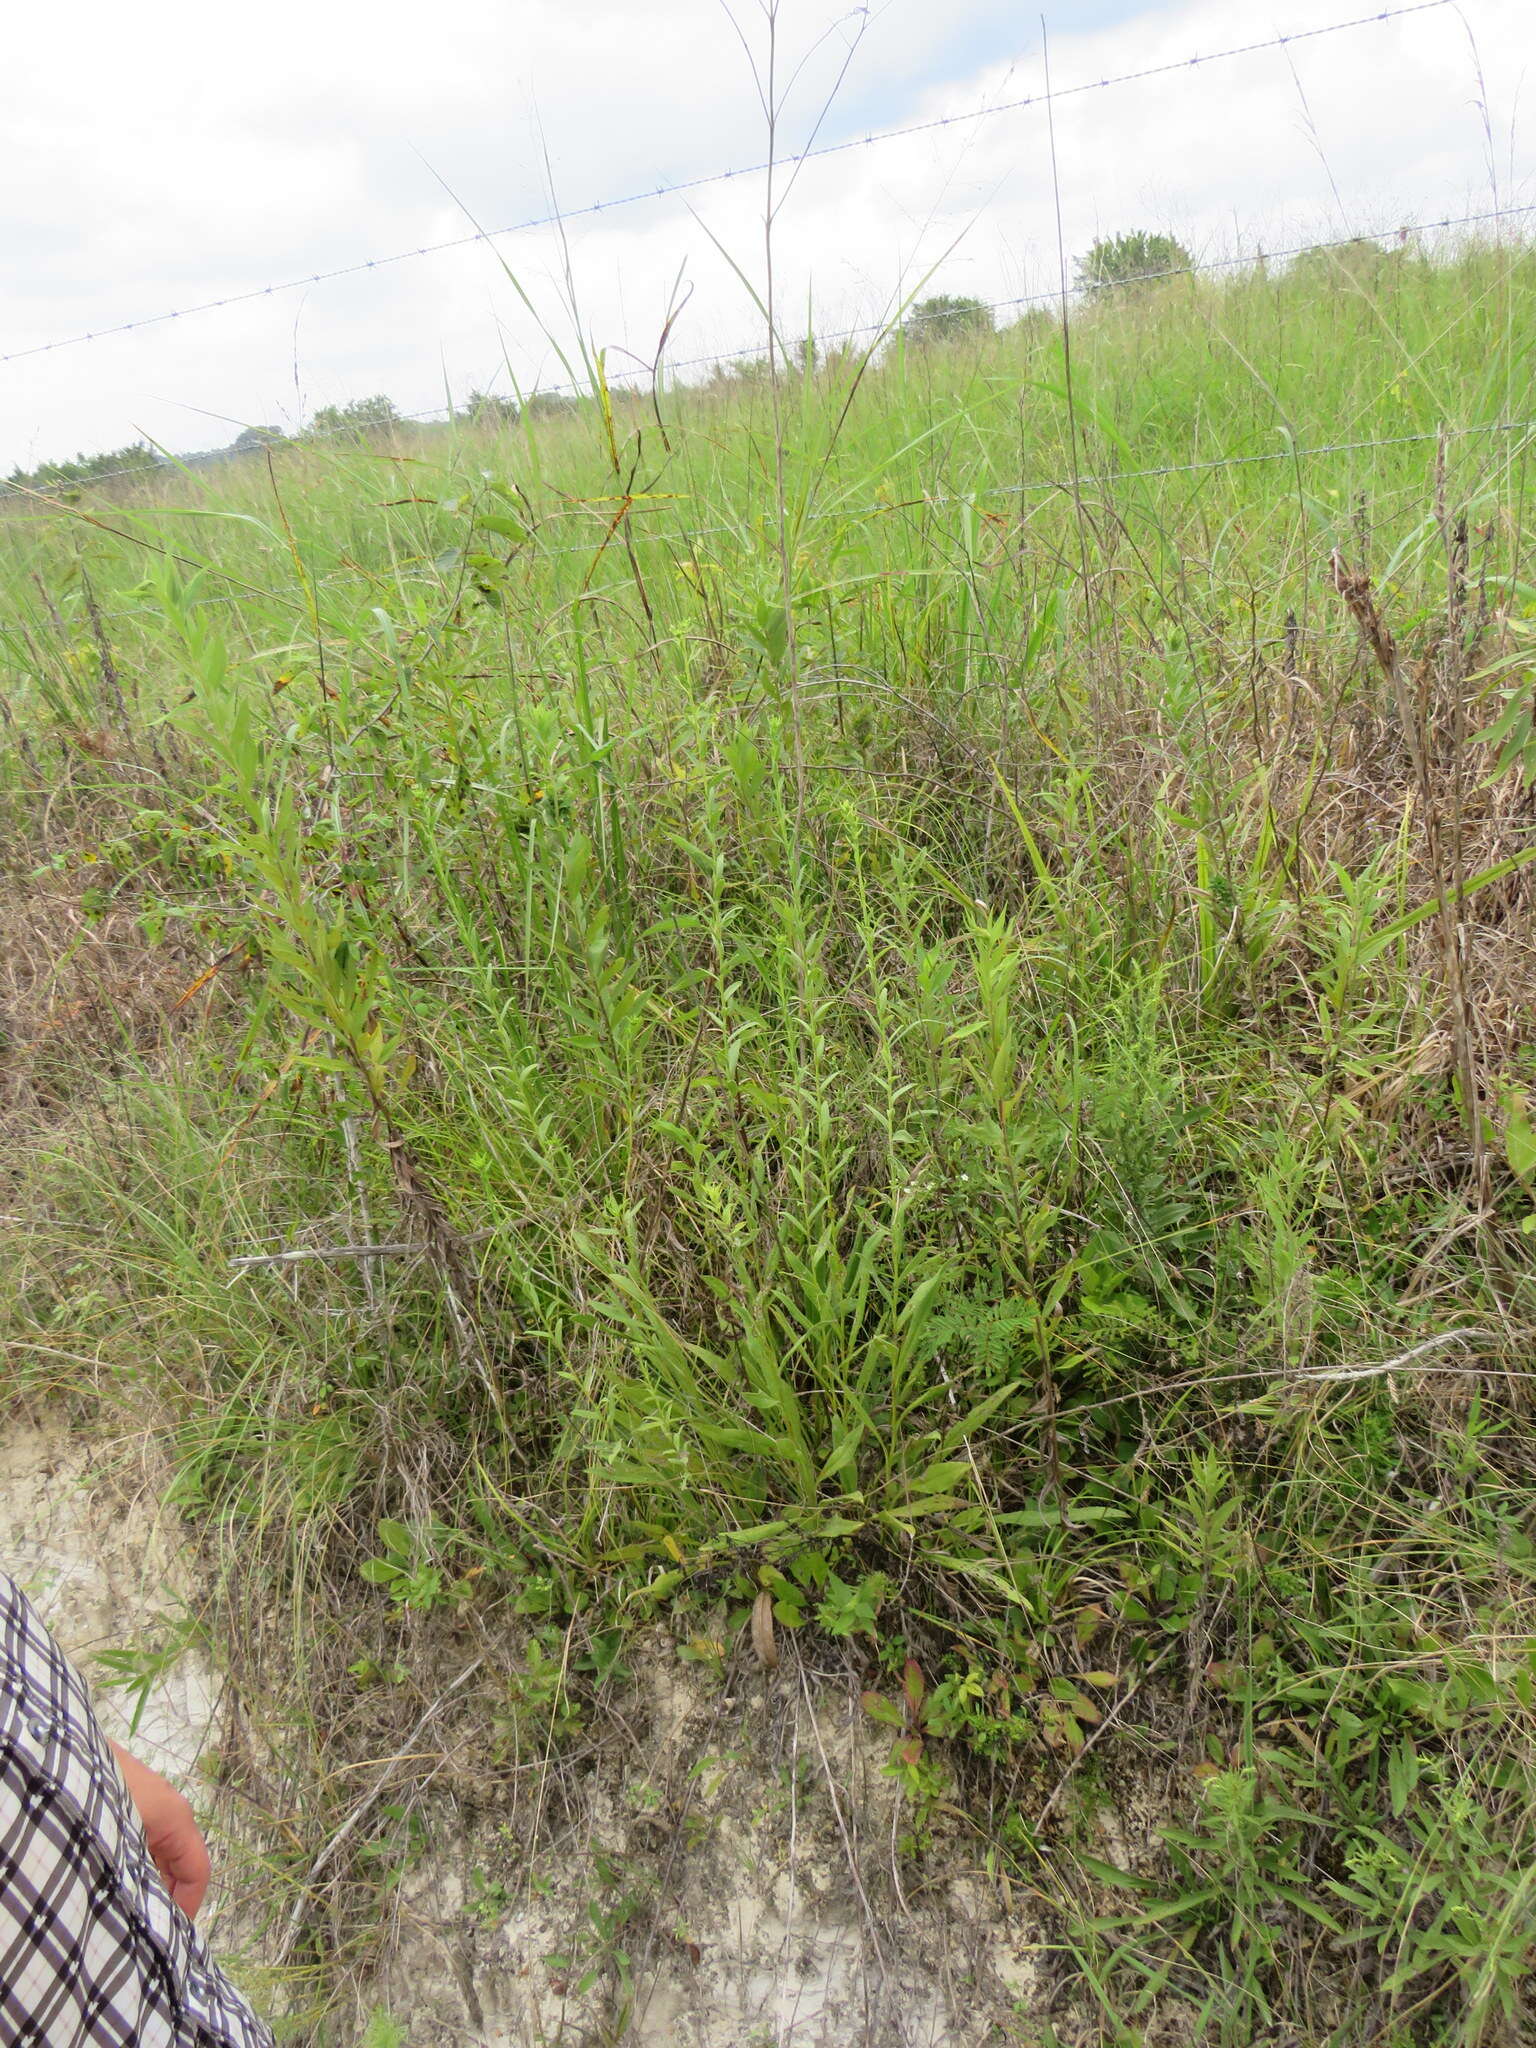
(803, 1010)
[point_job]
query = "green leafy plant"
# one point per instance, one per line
(723, 991)
(848, 1610)
(602, 1944)
(406, 1567)
(136, 1670)
(382, 2031)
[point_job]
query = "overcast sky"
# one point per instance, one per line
(164, 155)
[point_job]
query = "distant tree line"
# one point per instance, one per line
(495, 409)
(85, 469)
(360, 420)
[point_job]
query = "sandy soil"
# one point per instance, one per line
(717, 1871)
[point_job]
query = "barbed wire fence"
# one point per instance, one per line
(562, 218)
(1256, 260)
(872, 333)
(1521, 433)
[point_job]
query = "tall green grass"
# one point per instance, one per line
(944, 1107)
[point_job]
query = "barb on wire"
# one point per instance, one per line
(826, 149)
(445, 413)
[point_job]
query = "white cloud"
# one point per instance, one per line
(146, 174)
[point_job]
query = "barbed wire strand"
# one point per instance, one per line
(1081, 292)
(1053, 486)
(685, 185)
(1042, 487)
(1086, 293)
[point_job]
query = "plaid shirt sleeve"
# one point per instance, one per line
(93, 1954)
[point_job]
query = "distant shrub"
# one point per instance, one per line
(1360, 262)
(491, 409)
(945, 318)
(250, 439)
(363, 416)
(732, 373)
(735, 371)
(1035, 324)
(1136, 258)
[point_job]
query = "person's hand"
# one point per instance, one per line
(175, 1841)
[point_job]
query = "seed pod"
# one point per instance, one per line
(762, 1631)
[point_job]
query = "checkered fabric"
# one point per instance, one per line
(93, 1954)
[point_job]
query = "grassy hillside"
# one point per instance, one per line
(928, 983)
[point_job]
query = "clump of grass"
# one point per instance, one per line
(1007, 1132)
